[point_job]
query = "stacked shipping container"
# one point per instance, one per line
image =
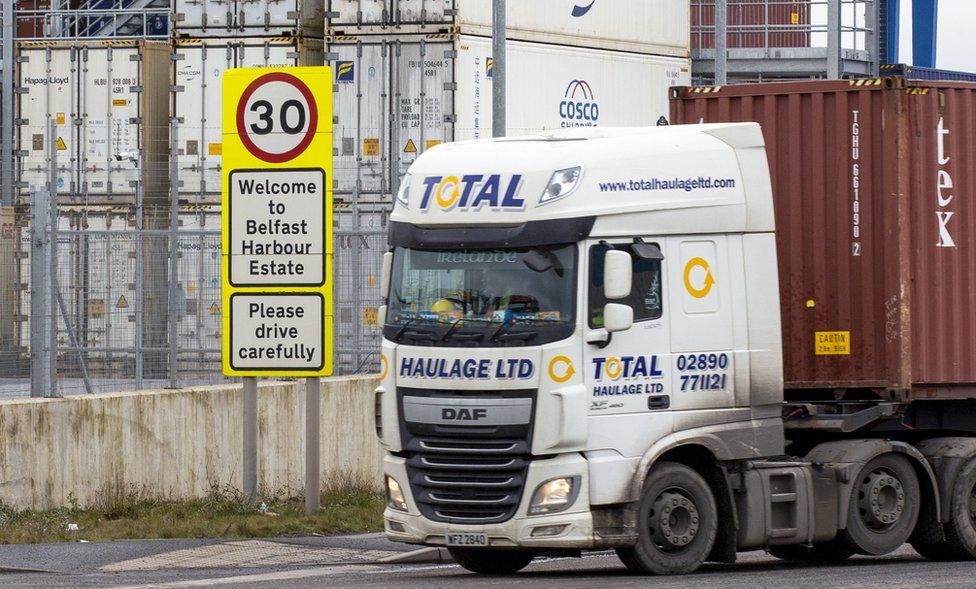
(412, 74)
(876, 226)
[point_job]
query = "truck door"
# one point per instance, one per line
(702, 339)
(630, 373)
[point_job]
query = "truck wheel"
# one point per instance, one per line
(826, 552)
(884, 506)
(677, 523)
(491, 562)
(961, 530)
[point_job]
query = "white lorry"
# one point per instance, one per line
(582, 350)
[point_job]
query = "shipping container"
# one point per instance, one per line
(396, 97)
(658, 28)
(110, 102)
(249, 18)
(97, 275)
(925, 73)
(360, 234)
(198, 66)
(10, 294)
(30, 24)
(875, 194)
(754, 24)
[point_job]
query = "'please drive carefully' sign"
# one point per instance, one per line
(277, 222)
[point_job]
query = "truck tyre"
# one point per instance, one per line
(492, 562)
(677, 522)
(884, 507)
(960, 531)
(826, 552)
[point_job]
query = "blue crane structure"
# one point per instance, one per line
(925, 28)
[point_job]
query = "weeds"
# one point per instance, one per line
(347, 507)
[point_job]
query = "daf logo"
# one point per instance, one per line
(463, 414)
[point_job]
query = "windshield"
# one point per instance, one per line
(523, 296)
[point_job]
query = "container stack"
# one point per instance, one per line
(412, 74)
(210, 37)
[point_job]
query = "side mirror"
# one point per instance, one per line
(381, 315)
(385, 275)
(617, 317)
(617, 275)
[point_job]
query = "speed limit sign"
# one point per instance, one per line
(276, 295)
(277, 117)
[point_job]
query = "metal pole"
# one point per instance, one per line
(833, 39)
(7, 106)
(721, 43)
(39, 302)
(137, 295)
(250, 463)
(53, 261)
(174, 253)
(313, 473)
(498, 69)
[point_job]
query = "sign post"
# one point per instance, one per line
(276, 241)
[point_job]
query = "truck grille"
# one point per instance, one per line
(466, 474)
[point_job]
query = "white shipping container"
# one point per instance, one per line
(658, 27)
(397, 97)
(97, 277)
(110, 103)
(199, 65)
(249, 18)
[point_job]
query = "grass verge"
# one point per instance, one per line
(224, 513)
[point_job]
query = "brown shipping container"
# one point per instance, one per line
(874, 185)
(786, 22)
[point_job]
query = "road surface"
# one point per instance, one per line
(301, 564)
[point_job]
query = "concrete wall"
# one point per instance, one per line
(178, 443)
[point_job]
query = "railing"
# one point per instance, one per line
(777, 24)
(110, 23)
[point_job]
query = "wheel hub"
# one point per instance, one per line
(674, 520)
(882, 499)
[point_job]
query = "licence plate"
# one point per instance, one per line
(467, 539)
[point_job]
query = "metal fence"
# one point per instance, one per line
(121, 291)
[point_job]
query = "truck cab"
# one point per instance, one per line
(582, 350)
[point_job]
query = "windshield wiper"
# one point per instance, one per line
(450, 330)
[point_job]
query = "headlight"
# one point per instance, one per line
(394, 495)
(403, 194)
(562, 184)
(554, 495)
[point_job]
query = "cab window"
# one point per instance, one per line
(645, 294)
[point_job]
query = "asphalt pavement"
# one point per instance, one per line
(354, 561)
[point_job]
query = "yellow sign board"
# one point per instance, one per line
(832, 343)
(276, 242)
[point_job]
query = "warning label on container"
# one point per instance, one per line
(371, 146)
(277, 232)
(410, 147)
(277, 332)
(832, 343)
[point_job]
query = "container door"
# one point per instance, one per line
(356, 13)
(48, 80)
(198, 73)
(360, 242)
(362, 111)
(423, 12)
(702, 343)
(423, 100)
(277, 17)
(204, 17)
(267, 54)
(109, 83)
(631, 374)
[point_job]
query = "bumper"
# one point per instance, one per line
(572, 528)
